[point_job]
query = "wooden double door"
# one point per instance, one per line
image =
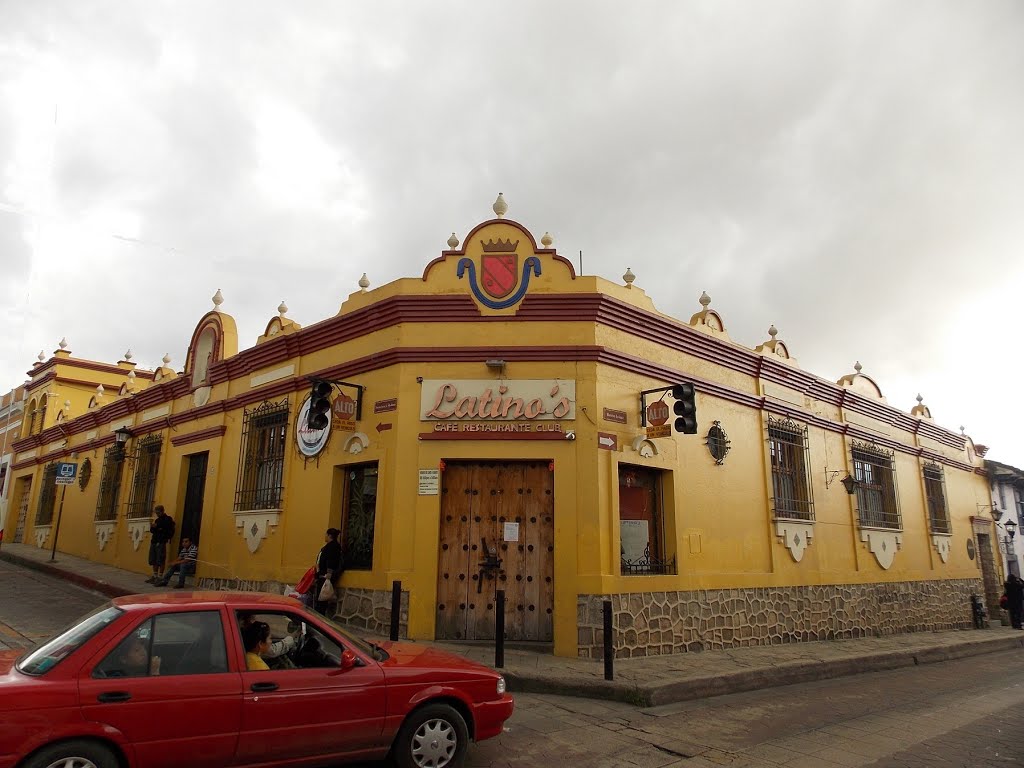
(497, 532)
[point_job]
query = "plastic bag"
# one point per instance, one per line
(1004, 601)
(306, 582)
(326, 592)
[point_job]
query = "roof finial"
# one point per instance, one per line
(128, 356)
(919, 398)
(364, 282)
(99, 390)
(705, 300)
(63, 343)
(167, 357)
(858, 367)
(962, 431)
(282, 308)
(546, 240)
(40, 357)
(629, 277)
(500, 206)
(773, 331)
(453, 242)
(218, 299)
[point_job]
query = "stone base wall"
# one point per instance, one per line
(370, 610)
(365, 609)
(654, 623)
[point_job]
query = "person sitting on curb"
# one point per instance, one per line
(184, 566)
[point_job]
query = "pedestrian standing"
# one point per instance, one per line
(161, 531)
(328, 568)
(1015, 599)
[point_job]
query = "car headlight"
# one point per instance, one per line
(501, 685)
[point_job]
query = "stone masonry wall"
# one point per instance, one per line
(654, 623)
(364, 609)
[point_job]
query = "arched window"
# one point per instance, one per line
(41, 423)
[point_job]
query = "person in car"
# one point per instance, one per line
(135, 662)
(277, 648)
(256, 638)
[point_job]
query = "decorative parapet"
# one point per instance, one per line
(42, 533)
(105, 532)
(796, 535)
(255, 524)
(883, 543)
(942, 542)
(137, 530)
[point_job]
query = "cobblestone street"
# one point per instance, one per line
(968, 712)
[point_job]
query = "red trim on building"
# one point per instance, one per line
(202, 434)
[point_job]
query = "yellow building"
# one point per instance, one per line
(504, 423)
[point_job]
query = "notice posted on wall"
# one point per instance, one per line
(430, 482)
(511, 532)
(634, 537)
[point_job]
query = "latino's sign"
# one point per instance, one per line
(491, 400)
(310, 441)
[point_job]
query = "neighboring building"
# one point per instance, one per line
(12, 406)
(502, 422)
(1007, 485)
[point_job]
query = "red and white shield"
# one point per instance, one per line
(500, 273)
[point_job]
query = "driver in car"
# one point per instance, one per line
(277, 648)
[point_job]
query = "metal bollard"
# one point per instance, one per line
(499, 628)
(396, 607)
(609, 646)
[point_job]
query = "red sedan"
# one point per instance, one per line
(156, 681)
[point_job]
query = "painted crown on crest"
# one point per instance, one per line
(501, 246)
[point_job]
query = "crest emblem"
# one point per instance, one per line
(500, 273)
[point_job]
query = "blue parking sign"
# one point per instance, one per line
(66, 472)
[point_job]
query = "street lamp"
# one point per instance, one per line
(121, 438)
(1011, 528)
(850, 484)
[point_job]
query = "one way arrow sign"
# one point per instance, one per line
(608, 441)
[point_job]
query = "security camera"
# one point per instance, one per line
(570, 435)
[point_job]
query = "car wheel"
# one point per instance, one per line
(435, 736)
(74, 754)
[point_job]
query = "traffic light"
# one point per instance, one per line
(319, 405)
(685, 408)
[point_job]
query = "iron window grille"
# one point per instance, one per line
(147, 465)
(653, 561)
(935, 492)
(874, 470)
(791, 482)
(47, 495)
(359, 516)
(261, 464)
(718, 443)
(110, 484)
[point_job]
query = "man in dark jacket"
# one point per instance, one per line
(328, 568)
(161, 531)
(1015, 599)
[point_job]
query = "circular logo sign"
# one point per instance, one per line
(310, 441)
(970, 548)
(657, 412)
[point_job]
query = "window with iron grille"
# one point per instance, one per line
(47, 495)
(147, 464)
(642, 523)
(935, 491)
(874, 470)
(359, 515)
(110, 484)
(791, 484)
(261, 463)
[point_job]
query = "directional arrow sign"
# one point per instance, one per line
(607, 441)
(383, 427)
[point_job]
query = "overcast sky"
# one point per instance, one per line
(852, 172)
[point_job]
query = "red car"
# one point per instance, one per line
(155, 681)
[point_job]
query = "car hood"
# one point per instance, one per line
(413, 655)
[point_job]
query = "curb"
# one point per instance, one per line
(86, 582)
(789, 673)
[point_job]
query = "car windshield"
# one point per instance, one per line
(369, 649)
(52, 652)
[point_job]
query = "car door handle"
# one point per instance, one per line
(110, 696)
(261, 687)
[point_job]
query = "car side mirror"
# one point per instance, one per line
(348, 660)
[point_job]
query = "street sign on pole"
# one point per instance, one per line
(66, 472)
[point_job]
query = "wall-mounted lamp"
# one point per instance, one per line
(850, 484)
(121, 436)
(995, 511)
(495, 364)
(1011, 528)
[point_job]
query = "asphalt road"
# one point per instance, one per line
(966, 713)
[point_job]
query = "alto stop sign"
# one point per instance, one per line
(657, 412)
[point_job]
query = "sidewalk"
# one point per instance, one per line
(650, 681)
